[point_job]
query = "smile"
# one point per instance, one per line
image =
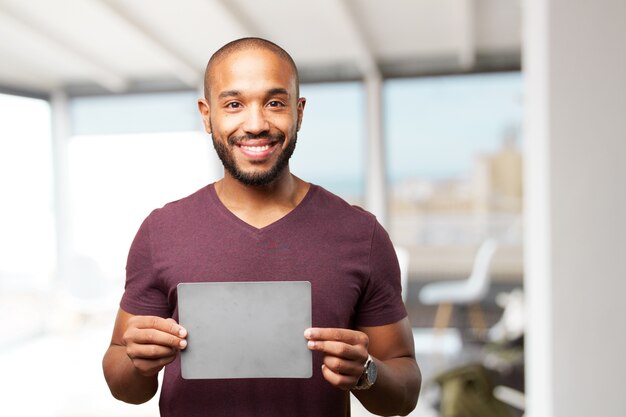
(257, 151)
(253, 149)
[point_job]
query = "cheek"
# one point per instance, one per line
(225, 123)
(287, 123)
(223, 132)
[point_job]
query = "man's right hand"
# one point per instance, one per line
(140, 347)
(153, 342)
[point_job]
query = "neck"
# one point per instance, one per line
(262, 205)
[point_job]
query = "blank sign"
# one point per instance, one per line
(245, 329)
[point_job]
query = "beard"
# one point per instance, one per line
(255, 178)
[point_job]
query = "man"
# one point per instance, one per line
(260, 222)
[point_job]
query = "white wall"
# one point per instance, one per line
(575, 69)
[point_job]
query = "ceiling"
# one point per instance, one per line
(117, 46)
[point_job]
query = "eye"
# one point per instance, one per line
(233, 105)
(275, 103)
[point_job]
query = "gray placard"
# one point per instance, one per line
(245, 329)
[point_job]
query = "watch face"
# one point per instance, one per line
(369, 375)
(372, 372)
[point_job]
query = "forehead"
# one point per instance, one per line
(250, 70)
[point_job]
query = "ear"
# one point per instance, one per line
(205, 113)
(301, 104)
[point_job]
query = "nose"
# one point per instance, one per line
(255, 122)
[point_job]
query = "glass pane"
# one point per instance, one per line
(331, 142)
(135, 113)
(117, 180)
(26, 218)
(455, 170)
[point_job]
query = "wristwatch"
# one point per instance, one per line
(368, 377)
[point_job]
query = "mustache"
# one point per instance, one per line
(273, 137)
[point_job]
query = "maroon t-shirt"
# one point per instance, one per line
(342, 250)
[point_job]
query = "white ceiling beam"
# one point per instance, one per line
(467, 34)
(98, 71)
(365, 57)
(245, 24)
(184, 69)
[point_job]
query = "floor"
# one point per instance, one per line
(60, 375)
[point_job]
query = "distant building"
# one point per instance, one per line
(463, 210)
(497, 179)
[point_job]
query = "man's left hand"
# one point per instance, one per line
(345, 353)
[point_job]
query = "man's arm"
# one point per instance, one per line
(398, 383)
(140, 347)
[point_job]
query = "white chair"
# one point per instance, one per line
(403, 260)
(468, 292)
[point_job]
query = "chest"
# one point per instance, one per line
(335, 264)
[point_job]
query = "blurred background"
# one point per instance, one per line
(487, 136)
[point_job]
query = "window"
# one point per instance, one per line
(332, 140)
(454, 164)
(115, 181)
(27, 248)
(130, 154)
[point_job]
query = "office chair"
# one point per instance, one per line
(470, 291)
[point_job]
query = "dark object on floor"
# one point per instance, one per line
(468, 392)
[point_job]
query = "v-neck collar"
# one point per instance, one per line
(247, 226)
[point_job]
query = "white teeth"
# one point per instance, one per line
(256, 148)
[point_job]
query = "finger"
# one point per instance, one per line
(158, 323)
(340, 381)
(150, 352)
(154, 337)
(339, 349)
(351, 337)
(150, 367)
(343, 367)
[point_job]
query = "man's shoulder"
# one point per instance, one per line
(183, 207)
(338, 207)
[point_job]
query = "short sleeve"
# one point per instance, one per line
(143, 295)
(381, 302)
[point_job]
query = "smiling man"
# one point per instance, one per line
(264, 132)
(229, 230)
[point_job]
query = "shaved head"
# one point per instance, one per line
(247, 44)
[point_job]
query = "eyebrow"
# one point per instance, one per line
(278, 91)
(236, 93)
(229, 93)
